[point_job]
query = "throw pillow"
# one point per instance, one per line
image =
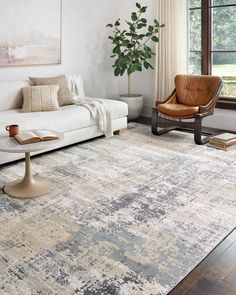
(64, 96)
(40, 98)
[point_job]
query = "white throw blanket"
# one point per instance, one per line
(100, 112)
(97, 107)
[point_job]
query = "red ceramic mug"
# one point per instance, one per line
(13, 130)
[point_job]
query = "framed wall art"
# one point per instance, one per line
(30, 32)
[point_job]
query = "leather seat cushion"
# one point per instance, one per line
(177, 110)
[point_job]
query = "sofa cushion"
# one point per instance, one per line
(40, 98)
(64, 95)
(11, 94)
(68, 118)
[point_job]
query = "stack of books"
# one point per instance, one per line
(223, 141)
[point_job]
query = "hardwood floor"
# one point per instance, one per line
(215, 275)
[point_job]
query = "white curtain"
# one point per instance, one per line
(172, 49)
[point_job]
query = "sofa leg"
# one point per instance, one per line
(119, 132)
(198, 133)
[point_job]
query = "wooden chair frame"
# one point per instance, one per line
(195, 126)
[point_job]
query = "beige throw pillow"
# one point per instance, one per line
(40, 98)
(64, 96)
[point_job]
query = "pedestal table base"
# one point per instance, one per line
(28, 187)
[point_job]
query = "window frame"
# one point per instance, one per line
(207, 50)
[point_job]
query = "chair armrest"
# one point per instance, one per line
(170, 99)
(207, 108)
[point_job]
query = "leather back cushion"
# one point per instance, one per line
(11, 94)
(196, 90)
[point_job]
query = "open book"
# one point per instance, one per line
(26, 137)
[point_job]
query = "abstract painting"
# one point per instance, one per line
(30, 32)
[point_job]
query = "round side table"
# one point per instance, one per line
(28, 187)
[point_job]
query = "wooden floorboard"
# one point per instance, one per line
(215, 275)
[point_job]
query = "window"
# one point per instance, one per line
(212, 37)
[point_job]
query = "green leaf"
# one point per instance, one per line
(150, 29)
(140, 26)
(125, 43)
(143, 20)
(132, 28)
(156, 22)
(141, 36)
(134, 16)
(150, 66)
(117, 23)
(155, 39)
(113, 55)
(109, 25)
(130, 45)
(146, 64)
(143, 9)
(138, 5)
(130, 34)
(130, 70)
(116, 49)
(122, 71)
(117, 72)
(129, 23)
(148, 49)
(137, 66)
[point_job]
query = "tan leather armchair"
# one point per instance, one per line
(194, 97)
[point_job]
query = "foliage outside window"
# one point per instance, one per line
(214, 20)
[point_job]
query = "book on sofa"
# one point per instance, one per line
(26, 137)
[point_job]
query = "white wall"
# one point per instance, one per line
(86, 49)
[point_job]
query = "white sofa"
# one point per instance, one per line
(74, 121)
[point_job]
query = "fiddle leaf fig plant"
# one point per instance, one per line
(131, 50)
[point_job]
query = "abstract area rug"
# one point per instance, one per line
(132, 214)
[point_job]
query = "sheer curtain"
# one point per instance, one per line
(172, 49)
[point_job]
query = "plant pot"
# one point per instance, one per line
(135, 105)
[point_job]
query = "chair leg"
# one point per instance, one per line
(198, 133)
(155, 120)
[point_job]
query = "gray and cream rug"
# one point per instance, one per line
(127, 215)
